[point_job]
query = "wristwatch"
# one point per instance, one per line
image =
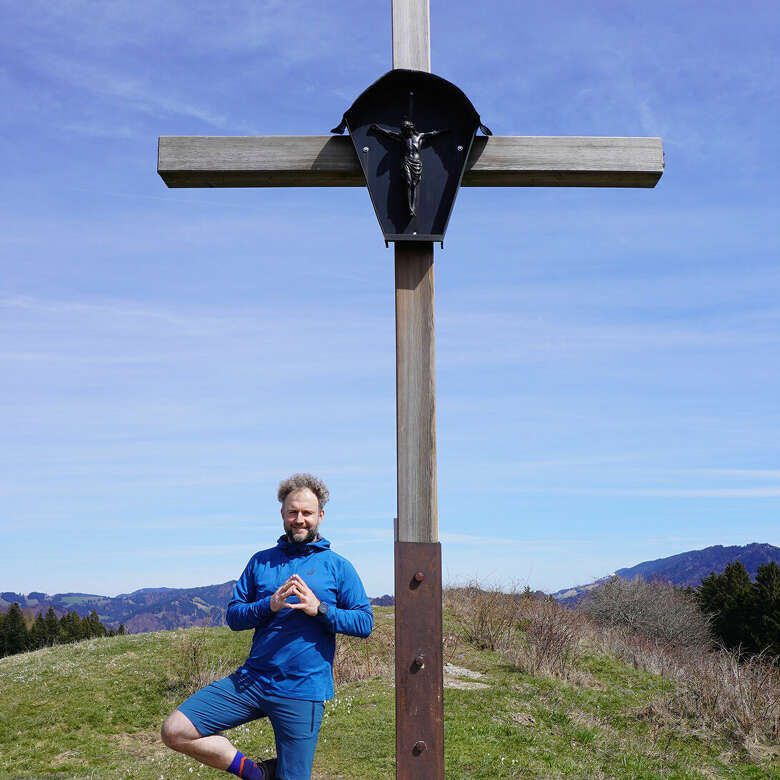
(322, 609)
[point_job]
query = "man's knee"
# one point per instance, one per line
(177, 729)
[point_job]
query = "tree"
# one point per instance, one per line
(765, 613)
(728, 598)
(37, 637)
(71, 627)
(14, 630)
(92, 626)
(53, 629)
(121, 630)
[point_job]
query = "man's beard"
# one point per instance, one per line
(311, 535)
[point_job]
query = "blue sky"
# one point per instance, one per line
(607, 360)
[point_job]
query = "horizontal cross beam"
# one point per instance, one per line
(330, 161)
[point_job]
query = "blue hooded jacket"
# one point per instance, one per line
(292, 652)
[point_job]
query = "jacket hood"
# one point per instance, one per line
(302, 548)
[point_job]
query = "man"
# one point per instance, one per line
(296, 596)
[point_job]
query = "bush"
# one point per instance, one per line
(537, 636)
(486, 618)
(656, 610)
(731, 691)
(728, 692)
(642, 652)
(550, 638)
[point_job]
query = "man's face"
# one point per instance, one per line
(301, 515)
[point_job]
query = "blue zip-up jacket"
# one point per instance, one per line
(292, 652)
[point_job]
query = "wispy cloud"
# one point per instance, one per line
(124, 332)
(124, 90)
(726, 493)
(200, 551)
(559, 544)
(99, 68)
(745, 473)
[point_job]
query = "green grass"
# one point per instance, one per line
(93, 710)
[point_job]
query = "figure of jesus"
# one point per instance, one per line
(411, 162)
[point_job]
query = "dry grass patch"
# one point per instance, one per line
(140, 745)
(734, 694)
(363, 659)
(523, 718)
(715, 690)
(70, 758)
(195, 664)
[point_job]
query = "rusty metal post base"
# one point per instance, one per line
(419, 704)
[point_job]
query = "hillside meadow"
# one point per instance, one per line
(93, 710)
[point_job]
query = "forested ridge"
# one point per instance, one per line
(18, 635)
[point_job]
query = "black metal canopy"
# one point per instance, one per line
(412, 132)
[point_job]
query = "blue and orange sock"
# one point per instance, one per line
(247, 769)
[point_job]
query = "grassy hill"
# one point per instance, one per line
(93, 710)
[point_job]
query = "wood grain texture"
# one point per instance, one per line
(412, 35)
(258, 161)
(564, 161)
(415, 393)
(330, 161)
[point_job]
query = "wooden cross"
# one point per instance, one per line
(330, 161)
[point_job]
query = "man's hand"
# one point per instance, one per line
(283, 592)
(295, 586)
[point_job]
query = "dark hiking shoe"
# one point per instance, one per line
(268, 768)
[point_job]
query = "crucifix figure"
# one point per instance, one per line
(411, 163)
(331, 161)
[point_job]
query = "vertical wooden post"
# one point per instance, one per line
(415, 392)
(412, 35)
(415, 358)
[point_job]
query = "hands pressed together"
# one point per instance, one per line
(295, 586)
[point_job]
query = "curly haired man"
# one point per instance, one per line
(296, 596)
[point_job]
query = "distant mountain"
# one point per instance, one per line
(147, 609)
(692, 567)
(688, 568)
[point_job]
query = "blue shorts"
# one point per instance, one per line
(238, 699)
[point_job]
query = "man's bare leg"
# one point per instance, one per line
(179, 734)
